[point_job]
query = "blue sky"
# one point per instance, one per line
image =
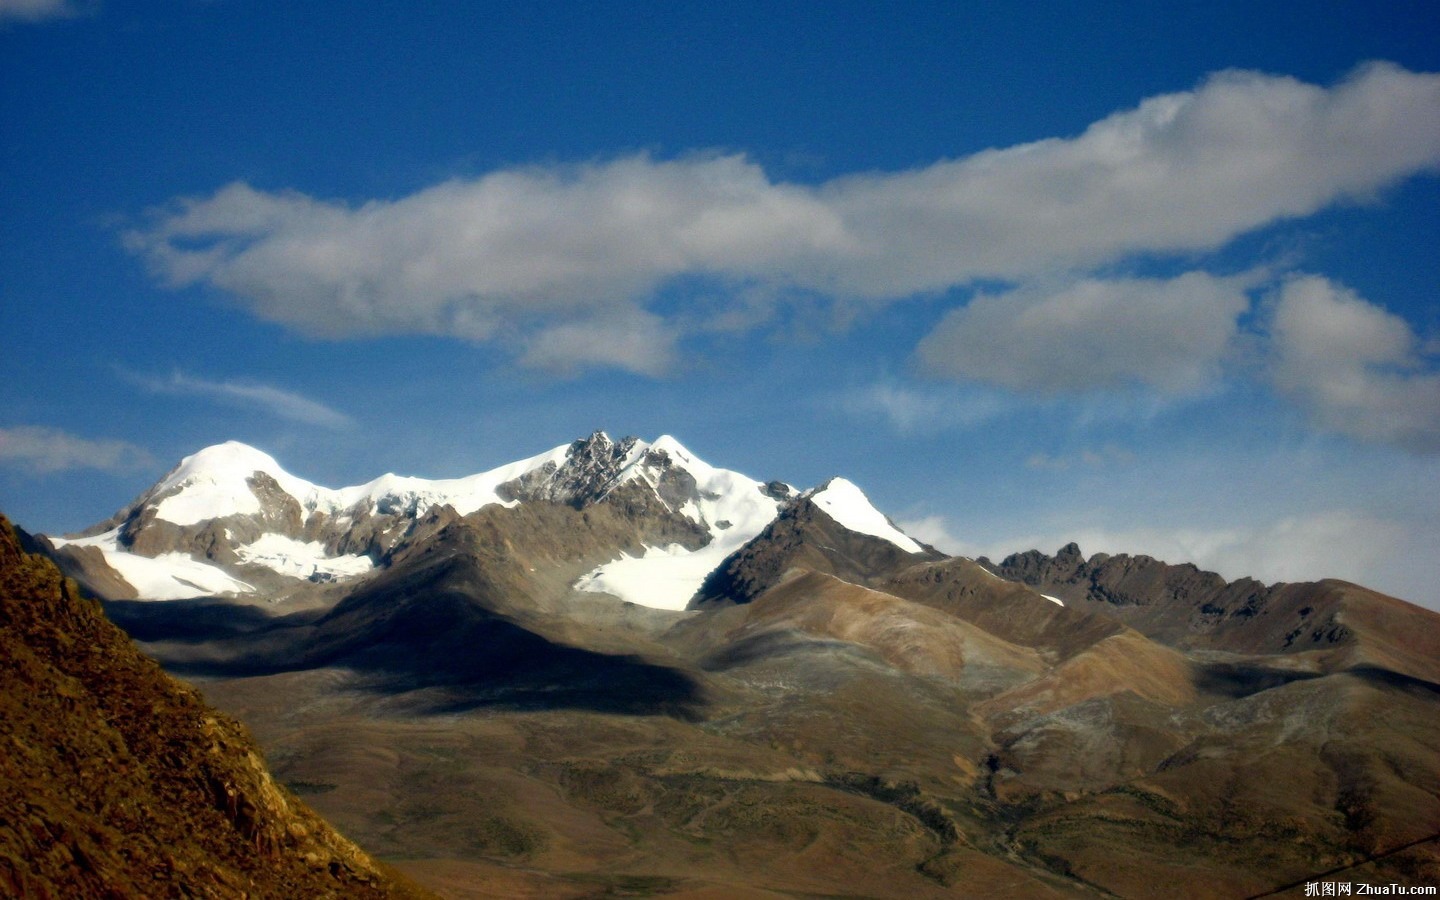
(1154, 277)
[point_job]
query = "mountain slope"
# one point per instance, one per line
(116, 780)
(986, 728)
(1334, 623)
(908, 637)
(967, 590)
(832, 529)
(479, 612)
(841, 711)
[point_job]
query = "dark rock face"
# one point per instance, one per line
(777, 490)
(675, 486)
(279, 512)
(116, 780)
(656, 523)
(590, 477)
(1125, 580)
(803, 535)
(1035, 568)
(591, 466)
(1184, 606)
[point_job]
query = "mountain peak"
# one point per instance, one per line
(597, 442)
(670, 445)
(215, 482)
(222, 460)
(228, 512)
(844, 502)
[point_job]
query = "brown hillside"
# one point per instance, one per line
(908, 636)
(117, 781)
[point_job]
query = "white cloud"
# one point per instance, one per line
(938, 532)
(514, 254)
(267, 398)
(43, 450)
(912, 410)
(1380, 553)
(1353, 367)
(522, 256)
(36, 10)
(1090, 458)
(1185, 171)
(638, 342)
(1164, 334)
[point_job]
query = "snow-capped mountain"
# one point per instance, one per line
(229, 520)
(823, 653)
(732, 509)
(848, 506)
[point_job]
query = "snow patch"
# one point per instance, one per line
(401, 493)
(848, 505)
(1053, 599)
(214, 483)
(732, 507)
(664, 577)
(297, 559)
(169, 576)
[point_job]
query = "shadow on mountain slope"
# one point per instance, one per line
(195, 621)
(1381, 675)
(412, 640)
(1242, 679)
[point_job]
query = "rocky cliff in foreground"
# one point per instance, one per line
(118, 781)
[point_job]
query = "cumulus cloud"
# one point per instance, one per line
(1165, 334)
(632, 340)
(521, 256)
(36, 10)
(514, 254)
(1353, 367)
(42, 450)
(275, 401)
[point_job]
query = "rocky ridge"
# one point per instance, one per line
(229, 521)
(1184, 606)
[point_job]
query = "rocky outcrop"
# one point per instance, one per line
(802, 536)
(1164, 600)
(1185, 606)
(116, 780)
(591, 465)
